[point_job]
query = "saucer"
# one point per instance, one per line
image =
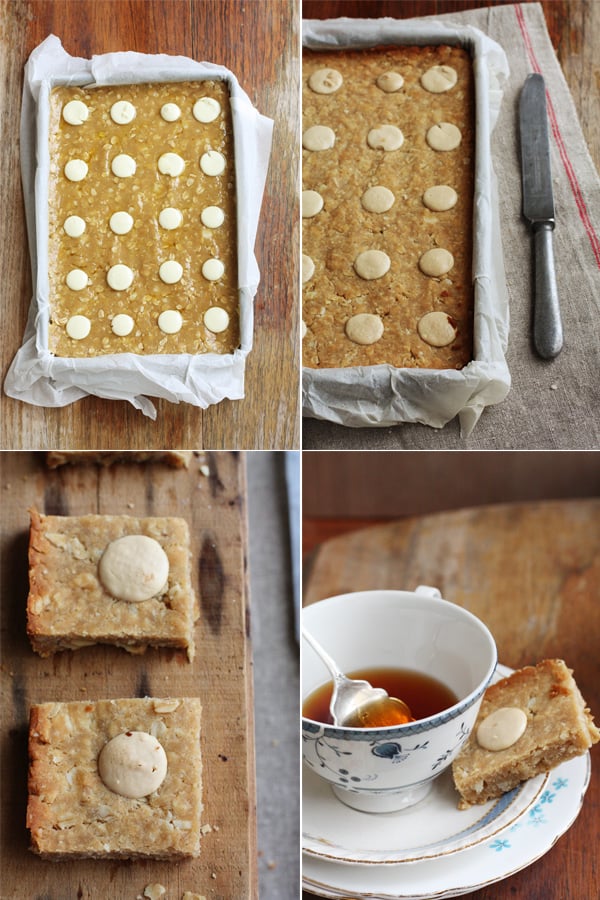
(342, 856)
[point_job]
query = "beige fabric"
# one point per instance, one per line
(552, 404)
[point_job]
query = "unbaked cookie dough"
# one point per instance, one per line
(364, 328)
(325, 81)
(439, 79)
(444, 136)
(318, 137)
(372, 264)
(437, 329)
(312, 204)
(440, 198)
(134, 568)
(436, 262)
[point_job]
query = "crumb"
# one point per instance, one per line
(130, 505)
(154, 891)
(7, 486)
(206, 829)
(205, 470)
(553, 387)
(215, 828)
(213, 874)
(271, 864)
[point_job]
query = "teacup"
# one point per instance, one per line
(391, 768)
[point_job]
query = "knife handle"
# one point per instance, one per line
(547, 325)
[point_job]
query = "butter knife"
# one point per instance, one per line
(538, 209)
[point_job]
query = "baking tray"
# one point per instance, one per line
(37, 376)
(214, 506)
(383, 395)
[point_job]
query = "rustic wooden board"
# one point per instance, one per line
(220, 675)
(221, 31)
(531, 572)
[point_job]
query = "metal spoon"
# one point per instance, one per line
(356, 703)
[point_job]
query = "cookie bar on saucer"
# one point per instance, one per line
(528, 723)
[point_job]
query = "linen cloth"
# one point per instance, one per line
(552, 404)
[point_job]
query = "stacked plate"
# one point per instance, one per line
(434, 849)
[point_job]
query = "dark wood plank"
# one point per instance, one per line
(223, 31)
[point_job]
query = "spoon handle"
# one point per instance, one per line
(335, 672)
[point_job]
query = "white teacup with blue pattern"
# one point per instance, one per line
(386, 769)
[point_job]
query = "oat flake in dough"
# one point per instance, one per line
(134, 568)
(364, 328)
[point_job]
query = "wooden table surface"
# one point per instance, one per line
(574, 27)
(221, 673)
(258, 41)
(531, 571)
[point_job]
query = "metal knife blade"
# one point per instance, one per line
(538, 209)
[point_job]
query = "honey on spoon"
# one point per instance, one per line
(356, 704)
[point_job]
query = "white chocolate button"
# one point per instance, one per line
(212, 162)
(444, 136)
(171, 164)
(123, 166)
(76, 170)
(121, 222)
(385, 137)
(213, 269)
(212, 217)
(170, 218)
(318, 137)
(122, 112)
(216, 319)
(303, 329)
(122, 324)
(133, 764)
(436, 329)
(440, 197)
(502, 728)
(170, 112)
(75, 112)
(439, 79)
(377, 199)
(170, 321)
(364, 328)
(119, 277)
(78, 327)
(134, 568)
(390, 82)
(77, 279)
(74, 226)
(371, 264)
(308, 268)
(312, 204)
(325, 81)
(206, 109)
(436, 262)
(170, 271)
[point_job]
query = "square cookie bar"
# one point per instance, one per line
(115, 779)
(142, 220)
(552, 725)
(388, 167)
(110, 580)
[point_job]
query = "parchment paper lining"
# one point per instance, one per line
(383, 395)
(38, 377)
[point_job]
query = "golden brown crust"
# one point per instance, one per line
(334, 237)
(100, 194)
(68, 607)
(559, 727)
(71, 813)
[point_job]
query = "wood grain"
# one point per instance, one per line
(573, 25)
(258, 41)
(220, 675)
(531, 572)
